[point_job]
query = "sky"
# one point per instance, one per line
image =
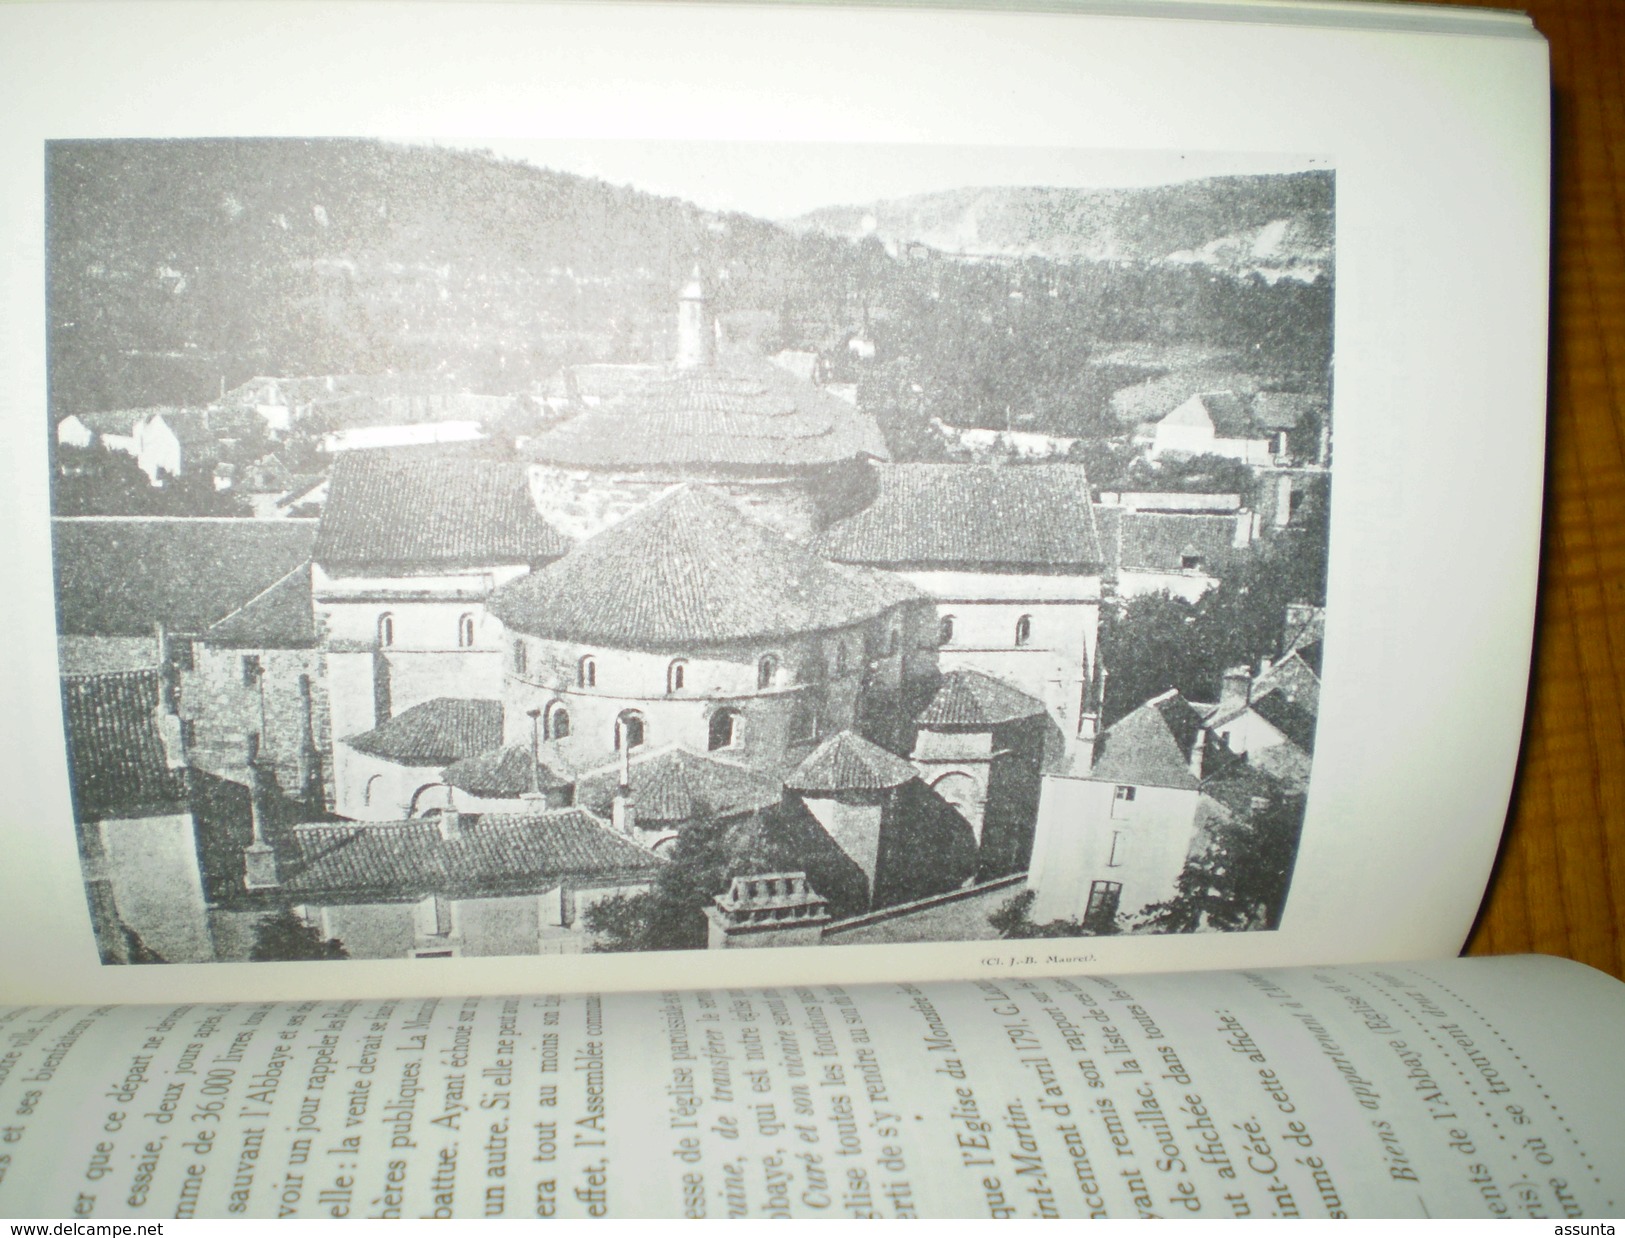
(780, 180)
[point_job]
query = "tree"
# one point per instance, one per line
(1238, 875)
(283, 937)
(671, 915)
(1013, 922)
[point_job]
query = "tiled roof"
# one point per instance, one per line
(675, 785)
(190, 426)
(279, 618)
(1150, 747)
(386, 508)
(690, 569)
(1159, 541)
(744, 411)
(118, 421)
(118, 576)
(435, 732)
(848, 762)
(488, 854)
(1016, 515)
(504, 773)
(117, 759)
(1289, 718)
(972, 698)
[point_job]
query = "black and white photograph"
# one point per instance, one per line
(554, 548)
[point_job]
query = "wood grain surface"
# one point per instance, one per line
(1559, 885)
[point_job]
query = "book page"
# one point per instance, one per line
(485, 522)
(1462, 1089)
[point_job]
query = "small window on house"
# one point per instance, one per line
(676, 673)
(888, 643)
(727, 727)
(629, 725)
(465, 632)
(1100, 914)
(945, 630)
(1119, 852)
(1122, 801)
(766, 671)
(839, 660)
(520, 657)
(587, 673)
(1024, 629)
(180, 653)
(252, 670)
(1190, 562)
(556, 722)
(386, 630)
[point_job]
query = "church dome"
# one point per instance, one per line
(690, 569)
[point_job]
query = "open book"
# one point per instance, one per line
(678, 501)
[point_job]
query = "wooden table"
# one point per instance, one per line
(1559, 887)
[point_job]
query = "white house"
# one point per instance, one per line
(1216, 423)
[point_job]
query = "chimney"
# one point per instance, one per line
(451, 823)
(1198, 750)
(259, 860)
(696, 342)
(535, 716)
(1237, 692)
(622, 815)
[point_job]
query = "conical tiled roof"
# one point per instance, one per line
(690, 569)
(675, 785)
(848, 762)
(744, 411)
(971, 698)
(503, 773)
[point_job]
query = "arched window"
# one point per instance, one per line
(726, 729)
(945, 630)
(465, 632)
(520, 657)
(630, 725)
(1024, 629)
(587, 673)
(766, 671)
(556, 722)
(386, 630)
(675, 674)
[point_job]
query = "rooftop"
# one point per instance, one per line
(487, 854)
(118, 763)
(118, 576)
(1288, 717)
(1035, 515)
(1162, 541)
(504, 773)
(741, 412)
(848, 762)
(431, 509)
(1150, 746)
(972, 698)
(435, 732)
(691, 569)
(278, 618)
(673, 785)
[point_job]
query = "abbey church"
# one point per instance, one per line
(483, 692)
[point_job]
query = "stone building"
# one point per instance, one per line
(410, 550)
(689, 623)
(784, 450)
(1115, 838)
(1013, 560)
(448, 886)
